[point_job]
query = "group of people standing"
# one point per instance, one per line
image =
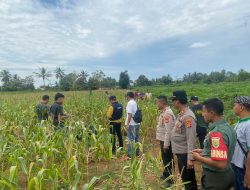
(132, 124)
(44, 111)
(223, 154)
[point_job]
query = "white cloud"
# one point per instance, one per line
(200, 44)
(31, 34)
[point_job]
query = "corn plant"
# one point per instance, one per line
(34, 156)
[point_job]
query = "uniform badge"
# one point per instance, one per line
(216, 142)
(188, 123)
(167, 120)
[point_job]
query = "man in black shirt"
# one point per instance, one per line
(56, 112)
(115, 113)
(201, 128)
(42, 109)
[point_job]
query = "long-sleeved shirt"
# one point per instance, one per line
(165, 125)
(183, 136)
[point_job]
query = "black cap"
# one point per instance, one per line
(194, 98)
(179, 95)
(112, 98)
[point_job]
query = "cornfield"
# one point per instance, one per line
(35, 157)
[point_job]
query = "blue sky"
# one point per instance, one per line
(154, 37)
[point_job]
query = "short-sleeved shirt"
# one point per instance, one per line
(165, 125)
(183, 135)
(56, 110)
(219, 144)
(42, 111)
(131, 108)
(197, 109)
(242, 129)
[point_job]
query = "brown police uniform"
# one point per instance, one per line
(183, 138)
(165, 125)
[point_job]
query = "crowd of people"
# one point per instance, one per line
(223, 150)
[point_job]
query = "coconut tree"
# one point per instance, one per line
(81, 80)
(59, 73)
(44, 74)
(83, 75)
(5, 76)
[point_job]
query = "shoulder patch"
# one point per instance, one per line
(219, 150)
(188, 123)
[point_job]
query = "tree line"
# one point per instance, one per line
(96, 80)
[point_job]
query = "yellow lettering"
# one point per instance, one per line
(221, 154)
(225, 154)
(218, 154)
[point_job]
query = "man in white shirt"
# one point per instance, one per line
(132, 127)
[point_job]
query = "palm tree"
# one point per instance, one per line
(44, 74)
(6, 76)
(81, 79)
(83, 75)
(59, 73)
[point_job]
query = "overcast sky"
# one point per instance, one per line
(154, 37)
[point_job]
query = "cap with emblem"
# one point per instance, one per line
(194, 98)
(180, 95)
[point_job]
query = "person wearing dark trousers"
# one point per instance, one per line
(165, 124)
(202, 126)
(241, 157)
(115, 130)
(114, 114)
(167, 159)
(183, 138)
(187, 175)
(201, 134)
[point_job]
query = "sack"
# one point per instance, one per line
(138, 115)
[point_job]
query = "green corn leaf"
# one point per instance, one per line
(13, 173)
(23, 165)
(76, 180)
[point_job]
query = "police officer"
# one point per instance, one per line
(218, 149)
(201, 128)
(165, 125)
(183, 139)
(114, 115)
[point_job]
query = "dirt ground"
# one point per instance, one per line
(117, 165)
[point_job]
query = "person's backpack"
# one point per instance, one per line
(138, 115)
(118, 111)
